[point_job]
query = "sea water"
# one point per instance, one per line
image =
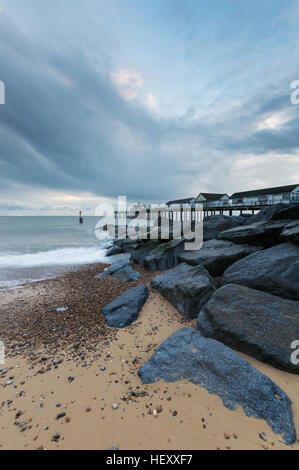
(34, 248)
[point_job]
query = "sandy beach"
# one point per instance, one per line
(67, 369)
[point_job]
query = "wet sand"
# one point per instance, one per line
(45, 347)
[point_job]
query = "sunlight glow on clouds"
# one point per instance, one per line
(275, 121)
(151, 101)
(128, 83)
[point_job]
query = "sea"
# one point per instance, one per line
(36, 248)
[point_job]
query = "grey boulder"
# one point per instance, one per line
(275, 270)
(221, 371)
(276, 212)
(125, 309)
(186, 287)
(165, 256)
(121, 270)
(265, 234)
(217, 255)
(215, 224)
(254, 322)
(121, 246)
(291, 232)
(140, 252)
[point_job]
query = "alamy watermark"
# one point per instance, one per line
(295, 93)
(157, 221)
(2, 92)
(2, 353)
(295, 354)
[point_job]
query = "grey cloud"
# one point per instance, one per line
(65, 127)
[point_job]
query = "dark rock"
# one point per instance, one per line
(265, 234)
(275, 270)
(121, 270)
(186, 287)
(125, 309)
(217, 255)
(215, 224)
(221, 371)
(276, 212)
(121, 246)
(291, 232)
(254, 322)
(139, 253)
(164, 256)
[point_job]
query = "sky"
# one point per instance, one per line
(152, 99)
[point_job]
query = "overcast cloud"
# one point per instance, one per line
(154, 100)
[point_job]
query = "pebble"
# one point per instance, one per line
(115, 406)
(60, 415)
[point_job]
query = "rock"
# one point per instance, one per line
(265, 234)
(125, 309)
(60, 415)
(121, 246)
(115, 406)
(139, 253)
(217, 255)
(164, 256)
(186, 287)
(215, 224)
(275, 270)
(121, 270)
(221, 371)
(290, 232)
(276, 212)
(254, 322)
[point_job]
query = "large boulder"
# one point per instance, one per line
(165, 256)
(254, 322)
(121, 270)
(217, 255)
(265, 234)
(125, 309)
(276, 212)
(186, 287)
(215, 224)
(221, 371)
(120, 246)
(140, 252)
(275, 270)
(291, 232)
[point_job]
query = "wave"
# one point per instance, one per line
(58, 257)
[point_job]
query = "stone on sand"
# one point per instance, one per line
(254, 322)
(186, 287)
(217, 368)
(125, 309)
